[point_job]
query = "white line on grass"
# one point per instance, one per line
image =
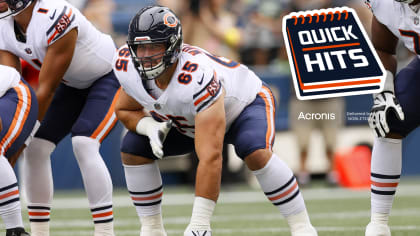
(243, 230)
(170, 199)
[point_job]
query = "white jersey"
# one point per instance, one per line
(400, 19)
(51, 19)
(198, 81)
(9, 78)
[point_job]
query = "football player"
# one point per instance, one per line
(196, 100)
(395, 112)
(18, 114)
(76, 94)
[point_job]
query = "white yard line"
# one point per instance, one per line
(237, 197)
(221, 231)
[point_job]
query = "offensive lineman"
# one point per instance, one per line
(399, 96)
(76, 94)
(18, 113)
(208, 100)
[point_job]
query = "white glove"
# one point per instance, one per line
(384, 102)
(156, 131)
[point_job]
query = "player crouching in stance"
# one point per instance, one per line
(395, 112)
(18, 113)
(208, 100)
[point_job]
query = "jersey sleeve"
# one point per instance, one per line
(370, 3)
(384, 11)
(207, 90)
(2, 42)
(60, 21)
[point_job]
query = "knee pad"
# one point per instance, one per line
(81, 143)
(39, 148)
(84, 146)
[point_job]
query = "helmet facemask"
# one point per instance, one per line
(151, 66)
(14, 7)
(405, 1)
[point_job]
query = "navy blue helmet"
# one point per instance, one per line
(15, 7)
(151, 25)
(405, 1)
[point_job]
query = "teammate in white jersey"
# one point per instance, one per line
(395, 112)
(76, 94)
(207, 100)
(18, 114)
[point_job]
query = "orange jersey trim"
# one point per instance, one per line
(107, 118)
(56, 32)
(16, 117)
(269, 118)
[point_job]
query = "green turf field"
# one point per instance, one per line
(245, 211)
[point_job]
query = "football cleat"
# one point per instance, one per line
(16, 232)
(374, 229)
(197, 233)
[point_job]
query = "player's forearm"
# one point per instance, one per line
(129, 118)
(44, 96)
(8, 59)
(388, 60)
(208, 177)
(55, 64)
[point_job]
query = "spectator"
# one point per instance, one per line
(213, 28)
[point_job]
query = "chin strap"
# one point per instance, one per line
(6, 13)
(9, 12)
(415, 8)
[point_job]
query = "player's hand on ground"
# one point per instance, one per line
(384, 102)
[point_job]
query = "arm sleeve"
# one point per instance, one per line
(64, 20)
(206, 92)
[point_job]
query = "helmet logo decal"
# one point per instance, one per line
(19, 4)
(170, 20)
(145, 38)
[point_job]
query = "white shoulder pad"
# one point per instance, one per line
(9, 78)
(385, 11)
(124, 70)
